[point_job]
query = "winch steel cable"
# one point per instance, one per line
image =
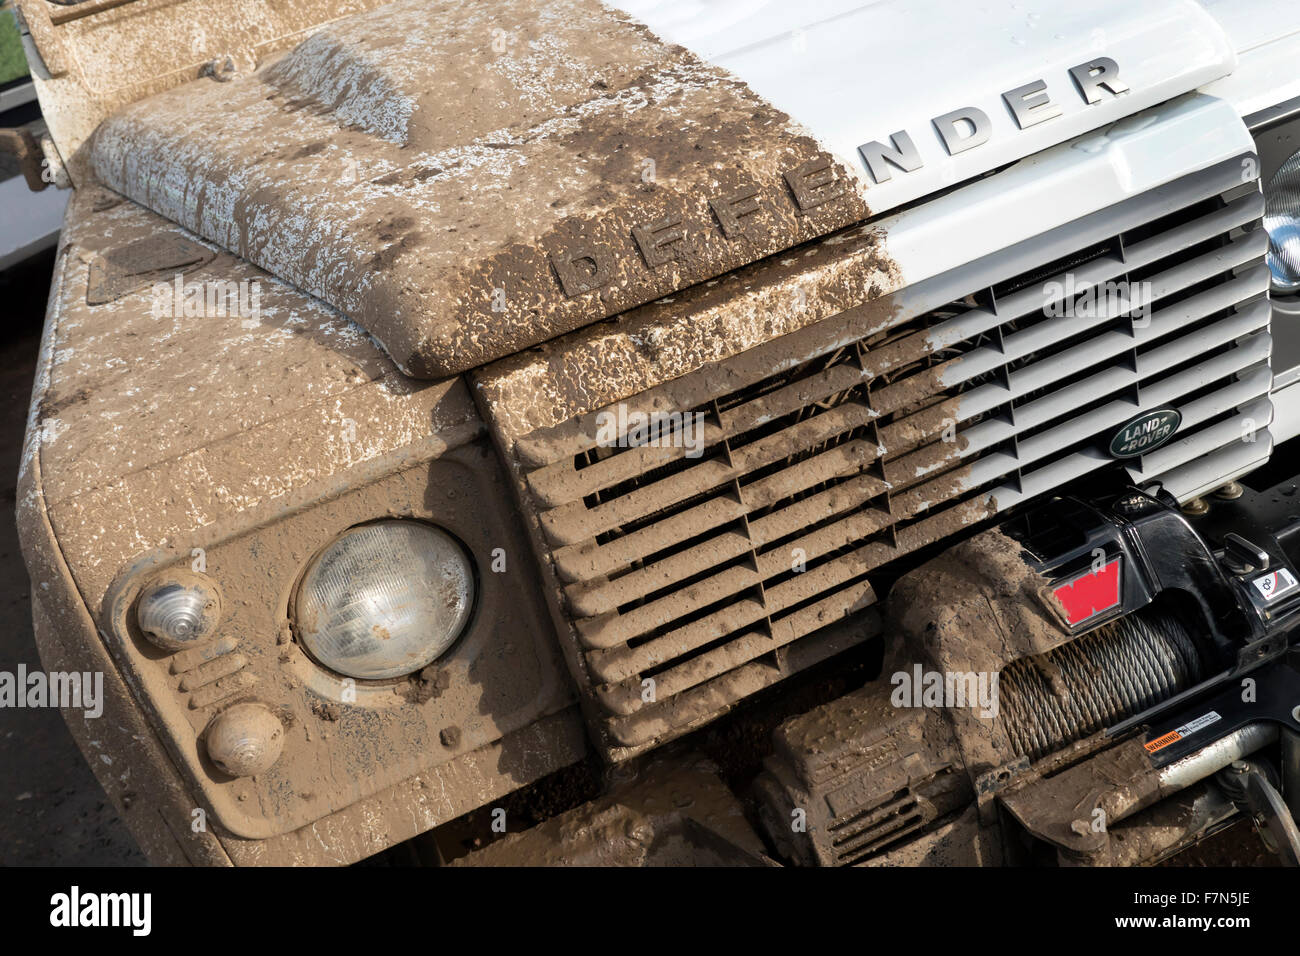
(1094, 681)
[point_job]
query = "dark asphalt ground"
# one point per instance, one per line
(52, 810)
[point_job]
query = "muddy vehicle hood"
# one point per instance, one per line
(463, 180)
(466, 180)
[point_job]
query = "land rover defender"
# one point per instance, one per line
(663, 431)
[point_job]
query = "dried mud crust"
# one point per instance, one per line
(52, 810)
(975, 608)
(1237, 845)
(846, 278)
(525, 808)
(457, 160)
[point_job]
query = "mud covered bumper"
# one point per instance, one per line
(172, 825)
(164, 816)
(675, 812)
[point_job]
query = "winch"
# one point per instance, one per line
(1136, 650)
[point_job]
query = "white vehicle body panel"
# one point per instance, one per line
(1064, 183)
(854, 72)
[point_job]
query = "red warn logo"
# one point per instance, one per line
(1090, 593)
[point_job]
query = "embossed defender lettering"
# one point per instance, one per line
(809, 185)
(662, 241)
(968, 127)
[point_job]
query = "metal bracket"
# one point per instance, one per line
(1252, 789)
(23, 146)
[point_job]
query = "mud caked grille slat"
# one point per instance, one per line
(693, 573)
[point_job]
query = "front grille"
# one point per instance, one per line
(690, 583)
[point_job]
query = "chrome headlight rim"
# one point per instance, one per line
(464, 627)
(1281, 222)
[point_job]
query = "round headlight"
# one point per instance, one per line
(1282, 222)
(385, 599)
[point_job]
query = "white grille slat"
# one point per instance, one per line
(978, 321)
(1019, 345)
(989, 433)
(994, 466)
(1110, 345)
(1078, 464)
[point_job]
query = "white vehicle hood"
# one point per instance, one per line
(853, 72)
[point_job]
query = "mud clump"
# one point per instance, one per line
(426, 685)
(976, 608)
(327, 710)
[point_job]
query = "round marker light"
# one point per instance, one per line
(245, 740)
(1282, 222)
(385, 599)
(178, 610)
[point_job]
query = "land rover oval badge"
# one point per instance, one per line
(1145, 433)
